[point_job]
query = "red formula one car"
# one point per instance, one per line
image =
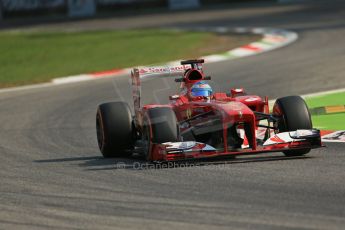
(200, 123)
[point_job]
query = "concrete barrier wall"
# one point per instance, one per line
(30, 5)
(16, 5)
(0, 11)
(126, 2)
(183, 4)
(89, 7)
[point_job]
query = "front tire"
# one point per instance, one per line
(160, 126)
(114, 129)
(294, 115)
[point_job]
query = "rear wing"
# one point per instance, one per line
(141, 73)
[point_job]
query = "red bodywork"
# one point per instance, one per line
(234, 108)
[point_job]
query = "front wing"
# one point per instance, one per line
(300, 139)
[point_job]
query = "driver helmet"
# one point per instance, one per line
(201, 89)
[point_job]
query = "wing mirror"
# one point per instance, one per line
(237, 92)
(174, 97)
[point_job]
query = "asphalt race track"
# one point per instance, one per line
(53, 176)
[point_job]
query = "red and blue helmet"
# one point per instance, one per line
(201, 88)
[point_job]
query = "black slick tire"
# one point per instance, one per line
(294, 115)
(114, 129)
(160, 126)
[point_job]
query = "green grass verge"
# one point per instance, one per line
(330, 121)
(31, 57)
(330, 99)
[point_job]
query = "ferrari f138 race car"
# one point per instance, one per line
(199, 123)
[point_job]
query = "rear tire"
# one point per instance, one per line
(295, 115)
(114, 129)
(160, 126)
